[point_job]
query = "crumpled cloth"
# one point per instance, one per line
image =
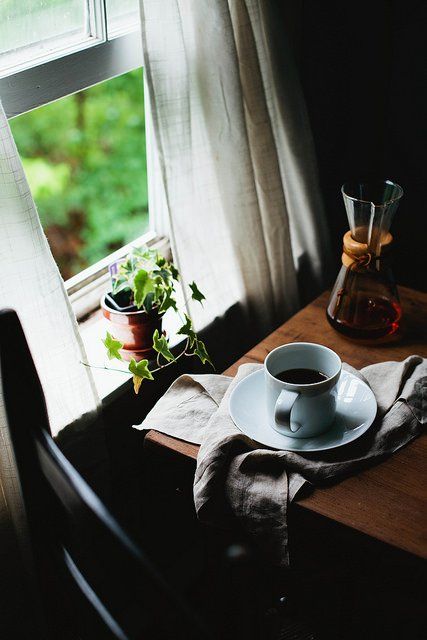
(235, 478)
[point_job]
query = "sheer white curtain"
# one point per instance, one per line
(232, 159)
(31, 284)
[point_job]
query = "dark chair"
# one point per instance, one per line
(93, 581)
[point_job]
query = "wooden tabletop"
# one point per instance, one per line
(387, 502)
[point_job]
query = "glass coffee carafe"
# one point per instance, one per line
(364, 304)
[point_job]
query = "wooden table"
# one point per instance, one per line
(388, 501)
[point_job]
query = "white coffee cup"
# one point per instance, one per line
(301, 410)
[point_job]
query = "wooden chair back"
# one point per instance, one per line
(94, 582)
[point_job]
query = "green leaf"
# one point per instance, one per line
(119, 283)
(174, 271)
(157, 293)
(142, 284)
(160, 344)
(187, 330)
(195, 293)
(139, 252)
(148, 302)
(163, 275)
(140, 372)
(200, 351)
(160, 262)
(129, 265)
(168, 302)
(140, 369)
(112, 345)
(120, 286)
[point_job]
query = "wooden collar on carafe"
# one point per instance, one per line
(357, 253)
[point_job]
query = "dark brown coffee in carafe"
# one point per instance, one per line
(301, 376)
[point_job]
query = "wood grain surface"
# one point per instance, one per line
(387, 502)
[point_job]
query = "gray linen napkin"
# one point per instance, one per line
(235, 478)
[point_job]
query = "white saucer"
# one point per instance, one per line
(356, 411)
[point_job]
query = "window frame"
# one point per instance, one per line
(27, 89)
(31, 88)
(97, 35)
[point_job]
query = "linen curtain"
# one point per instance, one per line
(232, 163)
(31, 284)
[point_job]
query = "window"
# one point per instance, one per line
(37, 31)
(84, 157)
(71, 83)
(120, 14)
(33, 30)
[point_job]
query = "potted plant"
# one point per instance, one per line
(143, 289)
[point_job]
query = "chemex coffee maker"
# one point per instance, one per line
(364, 304)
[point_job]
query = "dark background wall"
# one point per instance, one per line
(363, 71)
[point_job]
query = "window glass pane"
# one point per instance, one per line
(122, 16)
(85, 160)
(30, 29)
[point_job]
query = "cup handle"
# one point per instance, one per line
(282, 411)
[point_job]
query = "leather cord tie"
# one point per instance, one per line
(356, 254)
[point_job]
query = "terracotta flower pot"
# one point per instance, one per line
(134, 328)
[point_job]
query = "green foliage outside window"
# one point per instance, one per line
(85, 160)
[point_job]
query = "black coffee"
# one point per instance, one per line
(301, 376)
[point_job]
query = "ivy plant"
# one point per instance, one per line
(148, 281)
